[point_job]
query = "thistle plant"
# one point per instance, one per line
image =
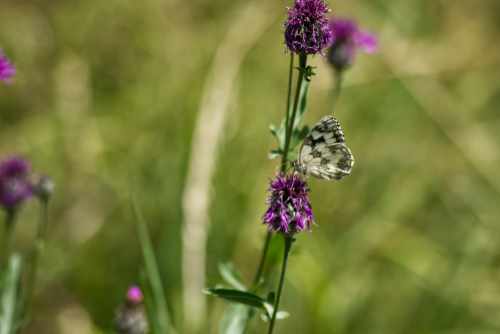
(307, 33)
(323, 153)
(289, 213)
(16, 188)
(131, 315)
(18, 271)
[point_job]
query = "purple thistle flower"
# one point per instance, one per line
(15, 186)
(348, 40)
(289, 209)
(307, 30)
(131, 317)
(7, 70)
(134, 295)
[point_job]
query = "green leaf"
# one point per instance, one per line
(302, 106)
(10, 295)
(276, 153)
(301, 134)
(238, 296)
(248, 299)
(270, 309)
(149, 302)
(279, 316)
(231, 275)
(162, 324)
(235, 319)
(279, 134)
(270, 297)
(298, 134)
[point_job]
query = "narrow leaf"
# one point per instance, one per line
(238, 296)
(231, 275)
(276, 153)
(149, 303)
(302, 106)
(270, 297)
(153, 274)
(235, 320)
(279, 316)
(10, 295)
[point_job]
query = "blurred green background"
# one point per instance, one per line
(107, 98)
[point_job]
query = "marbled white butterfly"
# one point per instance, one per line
(323, 153)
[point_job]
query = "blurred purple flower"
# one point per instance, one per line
(307, 30)
(348, 40)
(134, 295)
(131, 316)
(289, 209)
(7, 70)
(15, 186)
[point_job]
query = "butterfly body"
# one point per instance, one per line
(323, 153)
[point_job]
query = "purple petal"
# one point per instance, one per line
(134, 295)
(366, 41)
(7, 70)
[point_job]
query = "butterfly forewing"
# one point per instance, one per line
(324, 153)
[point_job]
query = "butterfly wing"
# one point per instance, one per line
(324, 153)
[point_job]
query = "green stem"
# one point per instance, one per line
(8, 241)
(288, 134)
(288, 102)
(337, 88)
(288, 246)
(260, 268)
(37, 250)
(289, 121)
(10, 294)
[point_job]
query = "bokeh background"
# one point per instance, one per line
(154, 97)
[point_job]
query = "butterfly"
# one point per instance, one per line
(323, 153)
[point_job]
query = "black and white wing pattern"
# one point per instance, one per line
(324, 153)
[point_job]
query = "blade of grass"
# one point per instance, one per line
(162, 319)
(149, 303)
(10, 295)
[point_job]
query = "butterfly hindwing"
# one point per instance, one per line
(324, 153)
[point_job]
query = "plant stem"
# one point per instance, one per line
(269, 235)
(337, 88)
(288, 246)
(289, 121)
(288, 134)
(37, 250)
(9, 296)
(8, 239)
(287, 112)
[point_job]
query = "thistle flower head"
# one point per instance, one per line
(7, 70)
(307, 30)
(131, 317)
(289, 208)
(348, 40)
(15, 186)
(134, 295)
